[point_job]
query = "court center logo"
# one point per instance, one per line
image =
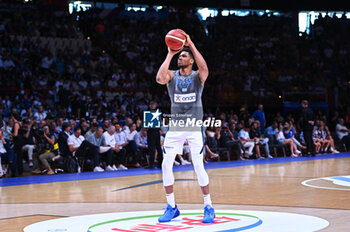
(151, 119)
(332, 183)
(189, 220)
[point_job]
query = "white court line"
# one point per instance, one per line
(321, 187)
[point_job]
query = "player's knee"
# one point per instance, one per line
(203, 179)
(197, 163)
(168, 182)
(198, 166)
(167, 164)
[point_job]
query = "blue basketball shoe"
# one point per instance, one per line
(209, 214)
(169, 214)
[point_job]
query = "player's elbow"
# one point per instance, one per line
(203, 68)
(160, 80)
(204, 72)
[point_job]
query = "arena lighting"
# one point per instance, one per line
(279, 96)
(88, 37)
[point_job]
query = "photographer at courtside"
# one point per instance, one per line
(46, 150)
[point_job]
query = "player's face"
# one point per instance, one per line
(184, 60)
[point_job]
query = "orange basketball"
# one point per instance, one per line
(175, 39)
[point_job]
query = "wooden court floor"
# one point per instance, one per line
(253, 186)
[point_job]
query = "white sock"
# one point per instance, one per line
(207, 200)
(170, 198)
(181, 159)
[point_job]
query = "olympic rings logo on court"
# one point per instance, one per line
(331, 183)
(189, 220)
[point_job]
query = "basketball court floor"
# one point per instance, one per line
(281, 194)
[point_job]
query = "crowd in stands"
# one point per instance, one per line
(118, 143)
(102, 91)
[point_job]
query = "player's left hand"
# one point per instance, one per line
(188, 39)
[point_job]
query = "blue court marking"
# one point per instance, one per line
(150, 183)
(258, 223)
(140, 171)
(342, 178)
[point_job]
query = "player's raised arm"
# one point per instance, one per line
(203, 71)
(164, 75)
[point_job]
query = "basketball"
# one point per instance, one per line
(175, 39)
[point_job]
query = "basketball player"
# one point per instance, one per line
(185, 88)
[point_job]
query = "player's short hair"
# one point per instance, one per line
(187, 49)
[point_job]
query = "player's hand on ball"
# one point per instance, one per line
(173, 52)
(188, 39)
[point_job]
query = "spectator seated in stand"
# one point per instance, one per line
(317, 141)
(122, 142)
(256, 135)
(141, 143)
(343, 132)
(212, 135)
(282, 140)
(7, 155)
(131, 147)
(248, 142)
(321, 135)
(105, 149)
(288, 132)
(110, 149)
(327, 137)
(228, 141)
(63, 140)
(28, 140)
(81, 148)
